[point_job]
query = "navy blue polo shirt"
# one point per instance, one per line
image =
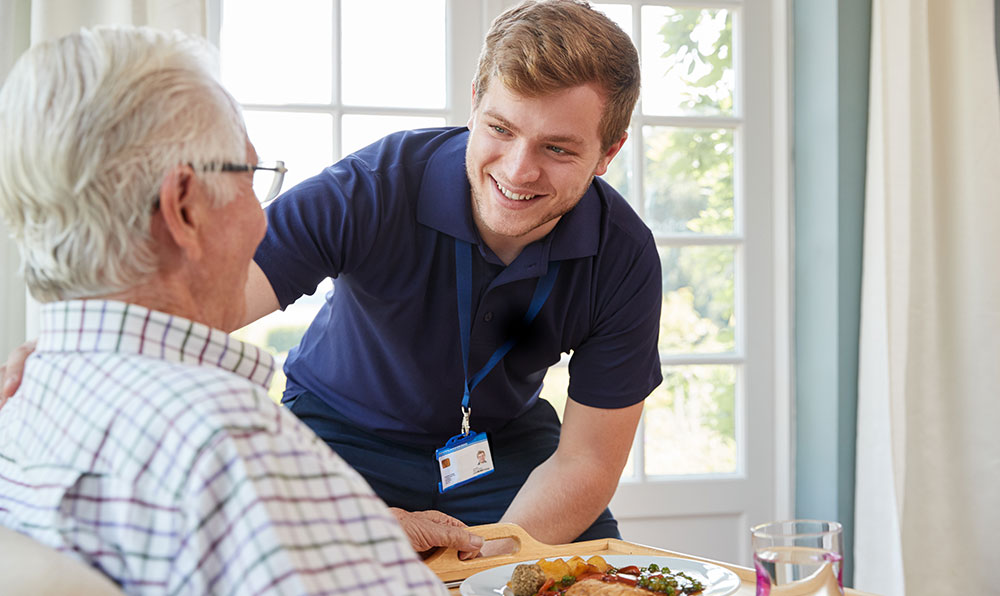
(384, 351)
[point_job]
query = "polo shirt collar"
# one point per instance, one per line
(444, 203)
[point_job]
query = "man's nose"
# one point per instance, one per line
(523, 164)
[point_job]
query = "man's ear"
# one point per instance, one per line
(179, 208)
(472, 111)
(605, 161)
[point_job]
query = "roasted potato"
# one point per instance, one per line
(556, 569)
(599, 562)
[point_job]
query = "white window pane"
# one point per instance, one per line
(262, 45)
(397, 61)
(687, 61)
(302, 141)
(620, 14)
(555, 387)
(362, 130)
(690, 422)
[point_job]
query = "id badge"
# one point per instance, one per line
(463, 459)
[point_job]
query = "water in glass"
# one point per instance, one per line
(798, 558)
(798, 570)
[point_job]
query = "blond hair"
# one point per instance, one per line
(543, 46)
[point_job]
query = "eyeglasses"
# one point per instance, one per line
(267, 176)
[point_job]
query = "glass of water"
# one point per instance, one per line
(798, 557)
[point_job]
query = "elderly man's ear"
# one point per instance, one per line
(184, 210)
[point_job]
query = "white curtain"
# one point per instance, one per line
(54, 18)
(928, 472)
(49, 19)
(13, 40)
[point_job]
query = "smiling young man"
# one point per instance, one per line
(468, 261)
(531, 159)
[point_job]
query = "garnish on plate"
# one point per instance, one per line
(594, 577)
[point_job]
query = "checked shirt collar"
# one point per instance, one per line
(119, 327)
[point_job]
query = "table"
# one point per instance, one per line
(446, 564)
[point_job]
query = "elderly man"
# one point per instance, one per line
(142, 439)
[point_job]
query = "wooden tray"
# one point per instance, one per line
(452, 570)
(446, 564)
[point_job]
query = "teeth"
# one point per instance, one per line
(513, 195)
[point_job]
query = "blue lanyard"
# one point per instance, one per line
(463, 274)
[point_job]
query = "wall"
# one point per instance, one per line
(14, 39)
(830, 104)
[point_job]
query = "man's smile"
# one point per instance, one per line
(512, 195)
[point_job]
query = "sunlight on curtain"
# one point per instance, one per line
(54, 18)
(928, 473)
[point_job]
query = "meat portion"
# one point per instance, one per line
(526, 580)
(595, 587)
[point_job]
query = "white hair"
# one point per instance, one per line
(89, 126)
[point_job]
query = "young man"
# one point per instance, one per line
(142, 439)
(466, 262)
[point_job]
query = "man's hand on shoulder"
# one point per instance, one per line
(430, 529)
(13, 370)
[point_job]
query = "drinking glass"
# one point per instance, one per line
(798, 557)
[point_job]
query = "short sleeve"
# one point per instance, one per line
(618, 364)
(320, 228)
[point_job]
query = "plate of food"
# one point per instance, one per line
(604, 575)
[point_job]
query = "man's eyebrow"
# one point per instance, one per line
(503, 121)
(565, 140)
(561, 139)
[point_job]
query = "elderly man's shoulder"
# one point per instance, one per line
(200, 410)
(142, 421)
(204, 417)
(147, 405)
(185, 395)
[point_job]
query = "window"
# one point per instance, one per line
(332, 77)
(679, 171)
(336, 75)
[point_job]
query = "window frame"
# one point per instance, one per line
(461, 55)
(758, 253)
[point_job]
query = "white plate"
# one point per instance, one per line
(718, 581)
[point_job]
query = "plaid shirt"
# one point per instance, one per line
(146, 445)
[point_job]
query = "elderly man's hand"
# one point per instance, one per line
(430, 529)
(11, 373)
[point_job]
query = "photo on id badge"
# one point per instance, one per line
(465, 461)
